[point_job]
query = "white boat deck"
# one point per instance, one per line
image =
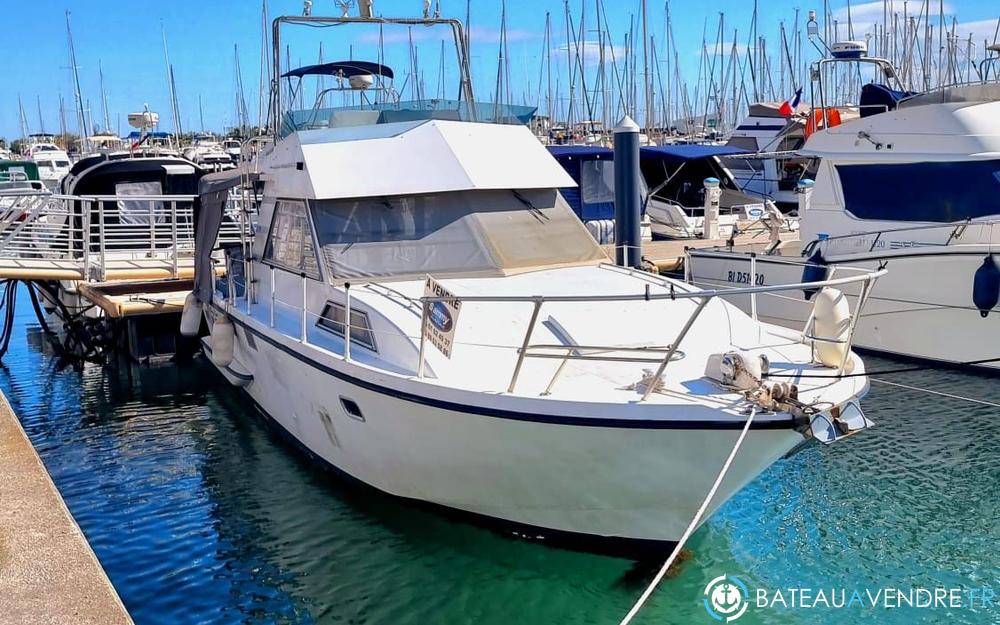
(489, 336)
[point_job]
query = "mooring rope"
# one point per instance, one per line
(694, 522)
(864, 374)
(971, 400)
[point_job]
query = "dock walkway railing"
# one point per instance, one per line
(106, 237)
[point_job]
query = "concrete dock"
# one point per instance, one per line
(48, 572)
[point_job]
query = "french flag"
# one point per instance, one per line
(788, 108)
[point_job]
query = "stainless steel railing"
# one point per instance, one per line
(237, 288)
(967, 231)
(701, 297)
(96, 233)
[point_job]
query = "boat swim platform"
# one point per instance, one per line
(124, 299)
(48, 571)
(667, 255)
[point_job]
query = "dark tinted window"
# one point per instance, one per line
(936, 192)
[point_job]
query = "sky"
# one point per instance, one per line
(123, 39)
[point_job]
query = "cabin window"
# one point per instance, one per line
(459, 233)
(939, 192)
(744, 143)
(290, 242)
(139, 212)
(597, 181)
(332, 319)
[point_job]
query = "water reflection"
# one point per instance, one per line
(202, 514)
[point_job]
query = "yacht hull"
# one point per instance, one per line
(922, 308)
(631, 488)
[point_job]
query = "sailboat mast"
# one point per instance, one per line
(104, 98)
(62, 116)
(41, 122)
(569, 71)
(24, 120)
(647, 83)
(174, 109)
(265, 73)
(77, 92)
(242, 114)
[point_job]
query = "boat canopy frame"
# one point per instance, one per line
(457, 29)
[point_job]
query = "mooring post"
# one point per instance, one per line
(628, 203)
(804, 190)
(710, 225)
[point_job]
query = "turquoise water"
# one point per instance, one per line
(200, 514)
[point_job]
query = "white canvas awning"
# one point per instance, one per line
(411, 158)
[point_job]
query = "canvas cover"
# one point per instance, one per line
(213, 192)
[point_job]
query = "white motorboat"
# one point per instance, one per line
(772, 168)
(909, 186)
(208, 153)
(676, 176)
(234, 148)
(53, 161)
(447, 331)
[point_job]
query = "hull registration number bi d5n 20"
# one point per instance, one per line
(743, 277)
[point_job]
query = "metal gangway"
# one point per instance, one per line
(106, 238)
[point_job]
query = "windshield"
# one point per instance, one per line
(460, 233)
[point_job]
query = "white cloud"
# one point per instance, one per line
(400, 35)
(491, 34)
(591, 51)
(864, 15)
(982, 30)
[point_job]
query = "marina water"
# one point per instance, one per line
(202, 514)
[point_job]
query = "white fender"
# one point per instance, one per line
(832, 320)
(191, 316)
(223, 341)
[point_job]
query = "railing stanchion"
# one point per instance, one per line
(84, 239)
(425, 311)
(230, 290)
(103, 270)
(753, 282)
(524, 344)
(271, 312)
(305, 328)
(152, 228)
(173, 238)
(862, 298)
(347, 321)
(559, 370)
(674, 346)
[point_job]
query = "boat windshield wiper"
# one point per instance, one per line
(537, 212)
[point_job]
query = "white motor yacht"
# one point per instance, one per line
(445, 330)
(53, 161)
(910, 186)
(208, 153)
(772, 168)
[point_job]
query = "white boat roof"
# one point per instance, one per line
(410, 158)
(929, 132)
